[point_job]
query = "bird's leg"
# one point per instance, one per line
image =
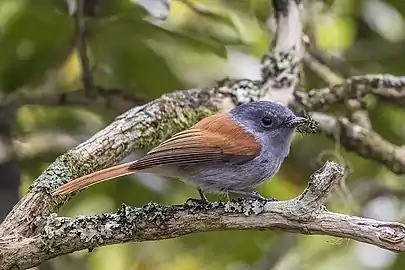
(253, 195)
(202, 199)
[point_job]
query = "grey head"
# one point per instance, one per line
(270, 123)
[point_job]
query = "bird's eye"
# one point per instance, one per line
(266, 121)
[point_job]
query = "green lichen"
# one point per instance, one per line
(91, 231)
(61, 170)
(170, 126)
(247, 207)
(281, 68)
(96, 230)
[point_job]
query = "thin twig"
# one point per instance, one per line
(339, 65)
(363, 141)
(356, 106)
(385, 86)
(110, 98)
(81, 41)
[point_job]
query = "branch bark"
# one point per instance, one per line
(33, 233)
(281, 65)
(142, 127)
(304, 214)
(384, 86)
(363, 141)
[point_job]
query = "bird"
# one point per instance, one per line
(228, 152)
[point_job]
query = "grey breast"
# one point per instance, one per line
(223, 177)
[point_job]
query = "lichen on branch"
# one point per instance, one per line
(33, 233)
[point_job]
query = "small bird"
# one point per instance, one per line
(230, 152)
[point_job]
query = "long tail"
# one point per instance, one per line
(95, 178)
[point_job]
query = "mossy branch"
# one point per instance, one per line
(304, 214)
(32, 233)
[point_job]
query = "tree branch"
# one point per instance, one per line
(110, 98)
(323, 71)
(304, 214)
(336, 63)
(142, 127)
(363, 141)
(388, 87)
(280, 67)
(81, 44)
(33, 233)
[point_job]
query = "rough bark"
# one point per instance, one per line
(33, 233)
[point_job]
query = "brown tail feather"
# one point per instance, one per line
(95, 178)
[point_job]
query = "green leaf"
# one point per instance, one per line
(122, 59)
(35, 36)
(124, 55)
(150, 31)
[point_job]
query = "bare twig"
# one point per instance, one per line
(387, 87)
(110, 98)
(363, 141)
(339, 65)
(81, 44)
(356, 107)
(358, 112)
(324, 72)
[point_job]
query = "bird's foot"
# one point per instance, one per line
(202, 200)
(196, 201)
(253, 195)
(256, 195)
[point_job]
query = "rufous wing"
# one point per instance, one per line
(214, 139)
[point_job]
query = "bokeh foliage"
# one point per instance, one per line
(193, 47)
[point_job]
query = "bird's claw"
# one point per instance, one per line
(196, 201)
(257, 196)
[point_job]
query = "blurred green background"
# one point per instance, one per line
(198, 43)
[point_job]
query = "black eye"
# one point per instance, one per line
(266, 121)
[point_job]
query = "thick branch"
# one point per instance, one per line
(142, 127)
(281, 66)
(304, 214)
(31, 234)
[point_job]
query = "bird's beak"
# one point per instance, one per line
(295, 121)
